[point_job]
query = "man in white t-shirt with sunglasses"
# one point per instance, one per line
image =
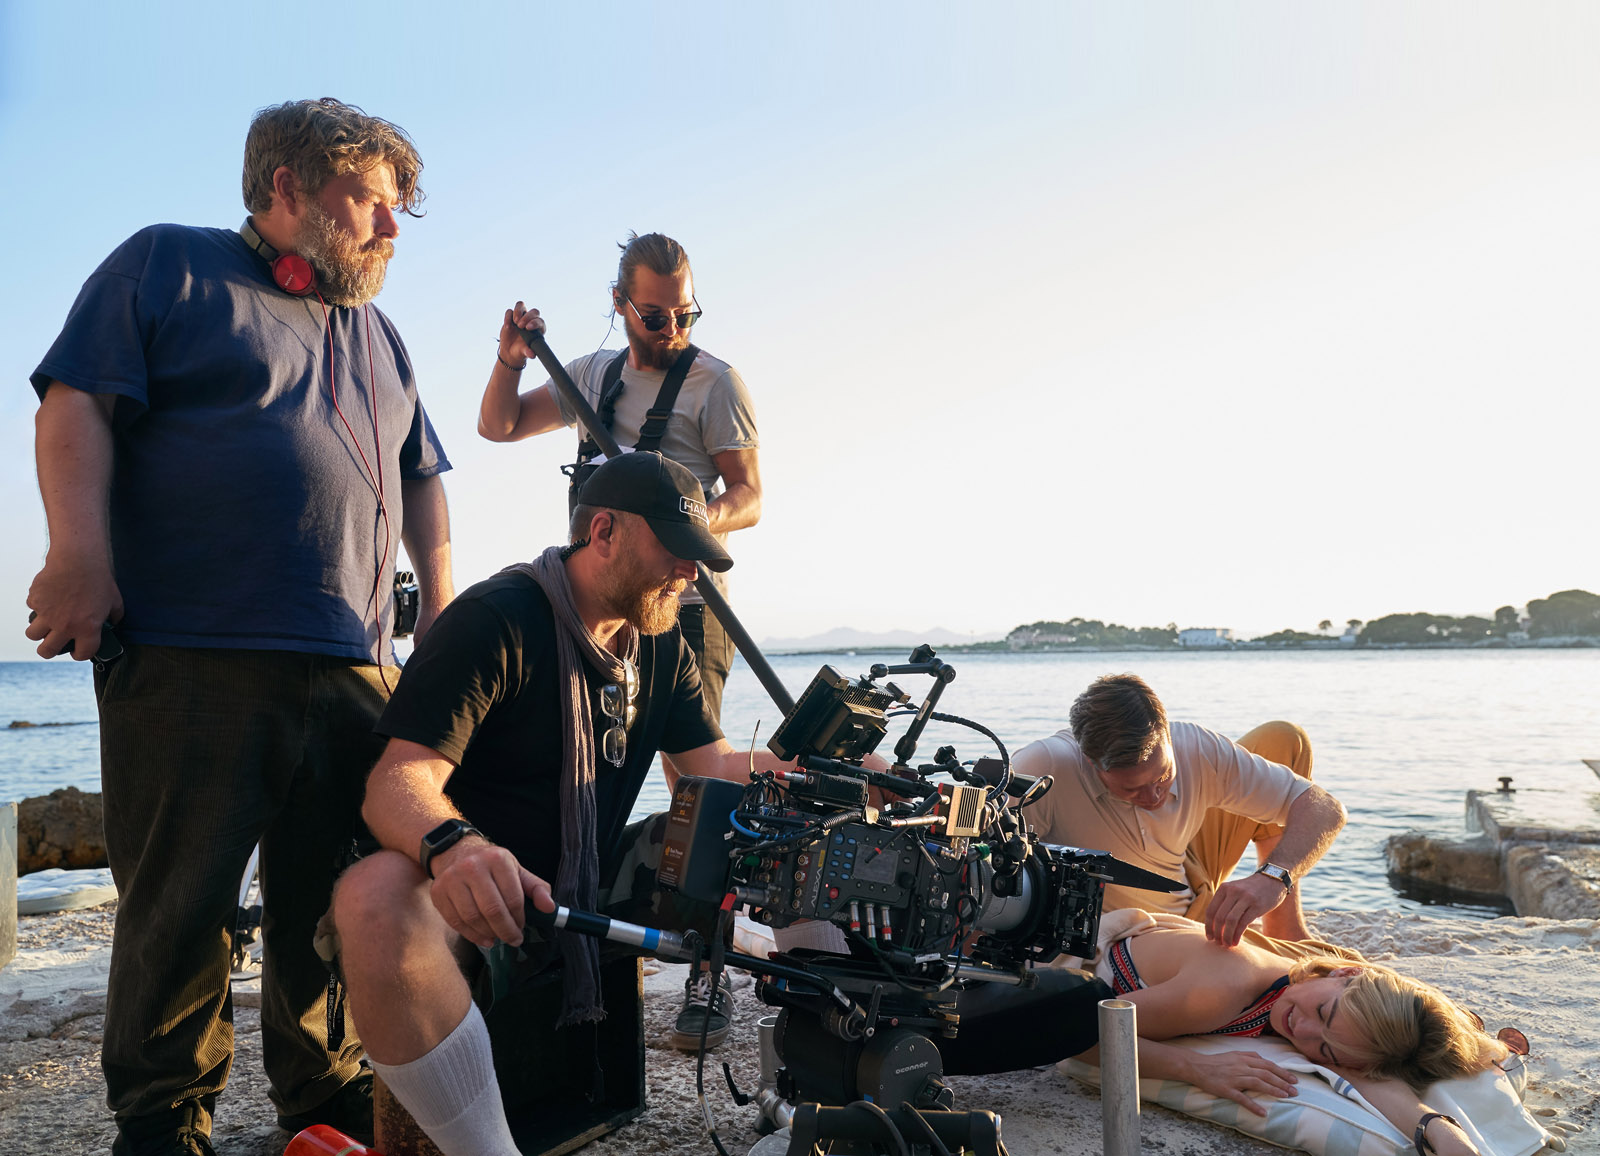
(704, 419)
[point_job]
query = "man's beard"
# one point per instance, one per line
(654, 614)
(347, 273)
(639, 600)
(651, 353)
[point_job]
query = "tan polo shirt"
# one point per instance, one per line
(1212, 771)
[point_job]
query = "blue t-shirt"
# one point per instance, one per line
(242, 514)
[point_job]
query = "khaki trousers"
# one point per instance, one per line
(1221, 841)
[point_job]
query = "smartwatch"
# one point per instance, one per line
(443, 837)
(1273, 871)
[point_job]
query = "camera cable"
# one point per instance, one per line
(718, 947)
(877, 957)
(900, 1146)
(994, 789)
(909, 1109)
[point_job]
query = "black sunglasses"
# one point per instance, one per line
(656, 322)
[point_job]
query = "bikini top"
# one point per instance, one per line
(1253, 1021)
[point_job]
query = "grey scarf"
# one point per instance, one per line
(577, 882)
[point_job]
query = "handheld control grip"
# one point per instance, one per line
(110, 645)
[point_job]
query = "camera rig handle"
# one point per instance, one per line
(922, 661)
(671, 945)
(892, 1129)
(714, 600)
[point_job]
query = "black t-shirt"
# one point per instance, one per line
(483, 690)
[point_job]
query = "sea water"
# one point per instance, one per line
(1398, 736)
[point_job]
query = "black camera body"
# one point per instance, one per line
(907, 892)
(857, 874)
(910, 882)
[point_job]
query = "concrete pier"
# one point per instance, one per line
(1537, 847)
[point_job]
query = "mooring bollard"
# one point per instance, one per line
(8, 882)
(1119, 1077)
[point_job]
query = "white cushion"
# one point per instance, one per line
(1329, 1117)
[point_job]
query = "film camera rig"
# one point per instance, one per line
(937, 890)
(907, 880)
(933, 885)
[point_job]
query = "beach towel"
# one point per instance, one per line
(56, 889)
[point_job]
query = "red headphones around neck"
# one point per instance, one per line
(290, 272)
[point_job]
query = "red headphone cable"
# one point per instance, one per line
(377, 449)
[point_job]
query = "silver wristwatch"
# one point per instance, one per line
(1273, 871)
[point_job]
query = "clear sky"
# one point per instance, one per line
(1240, 315)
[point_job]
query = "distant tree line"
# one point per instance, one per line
(1091, 632)
(1290, 638)
(1567, 614)
(1419, 627)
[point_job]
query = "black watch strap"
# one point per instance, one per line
(1281, 874)
(443, 837)
(1420, 1137)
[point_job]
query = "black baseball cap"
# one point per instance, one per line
(664, 494)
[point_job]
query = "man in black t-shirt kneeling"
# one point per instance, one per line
(519, 736)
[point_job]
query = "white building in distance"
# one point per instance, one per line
(1206, 636)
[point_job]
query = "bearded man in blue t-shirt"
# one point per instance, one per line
(231, 452)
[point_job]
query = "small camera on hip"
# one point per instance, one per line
(406, 603)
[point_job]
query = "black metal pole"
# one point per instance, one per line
(714, 600)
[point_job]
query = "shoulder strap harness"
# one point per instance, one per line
(654, 427)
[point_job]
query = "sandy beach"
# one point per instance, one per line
(1540, 975)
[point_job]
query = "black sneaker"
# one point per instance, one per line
(349, 1110)
(183, 1142)
(185, 1132)
(699, 1013)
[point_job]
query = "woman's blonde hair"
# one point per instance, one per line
(1413, 1032)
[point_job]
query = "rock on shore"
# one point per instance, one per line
(65, 829)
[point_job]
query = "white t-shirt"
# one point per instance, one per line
(1212, 771)
(712, 414)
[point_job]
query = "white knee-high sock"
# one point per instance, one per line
(451, 1092)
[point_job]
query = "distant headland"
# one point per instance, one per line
(1569, 618)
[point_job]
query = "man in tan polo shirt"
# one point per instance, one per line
(1184, 801)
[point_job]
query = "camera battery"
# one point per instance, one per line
(694, 850)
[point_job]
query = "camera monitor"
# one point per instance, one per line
(836, 718)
